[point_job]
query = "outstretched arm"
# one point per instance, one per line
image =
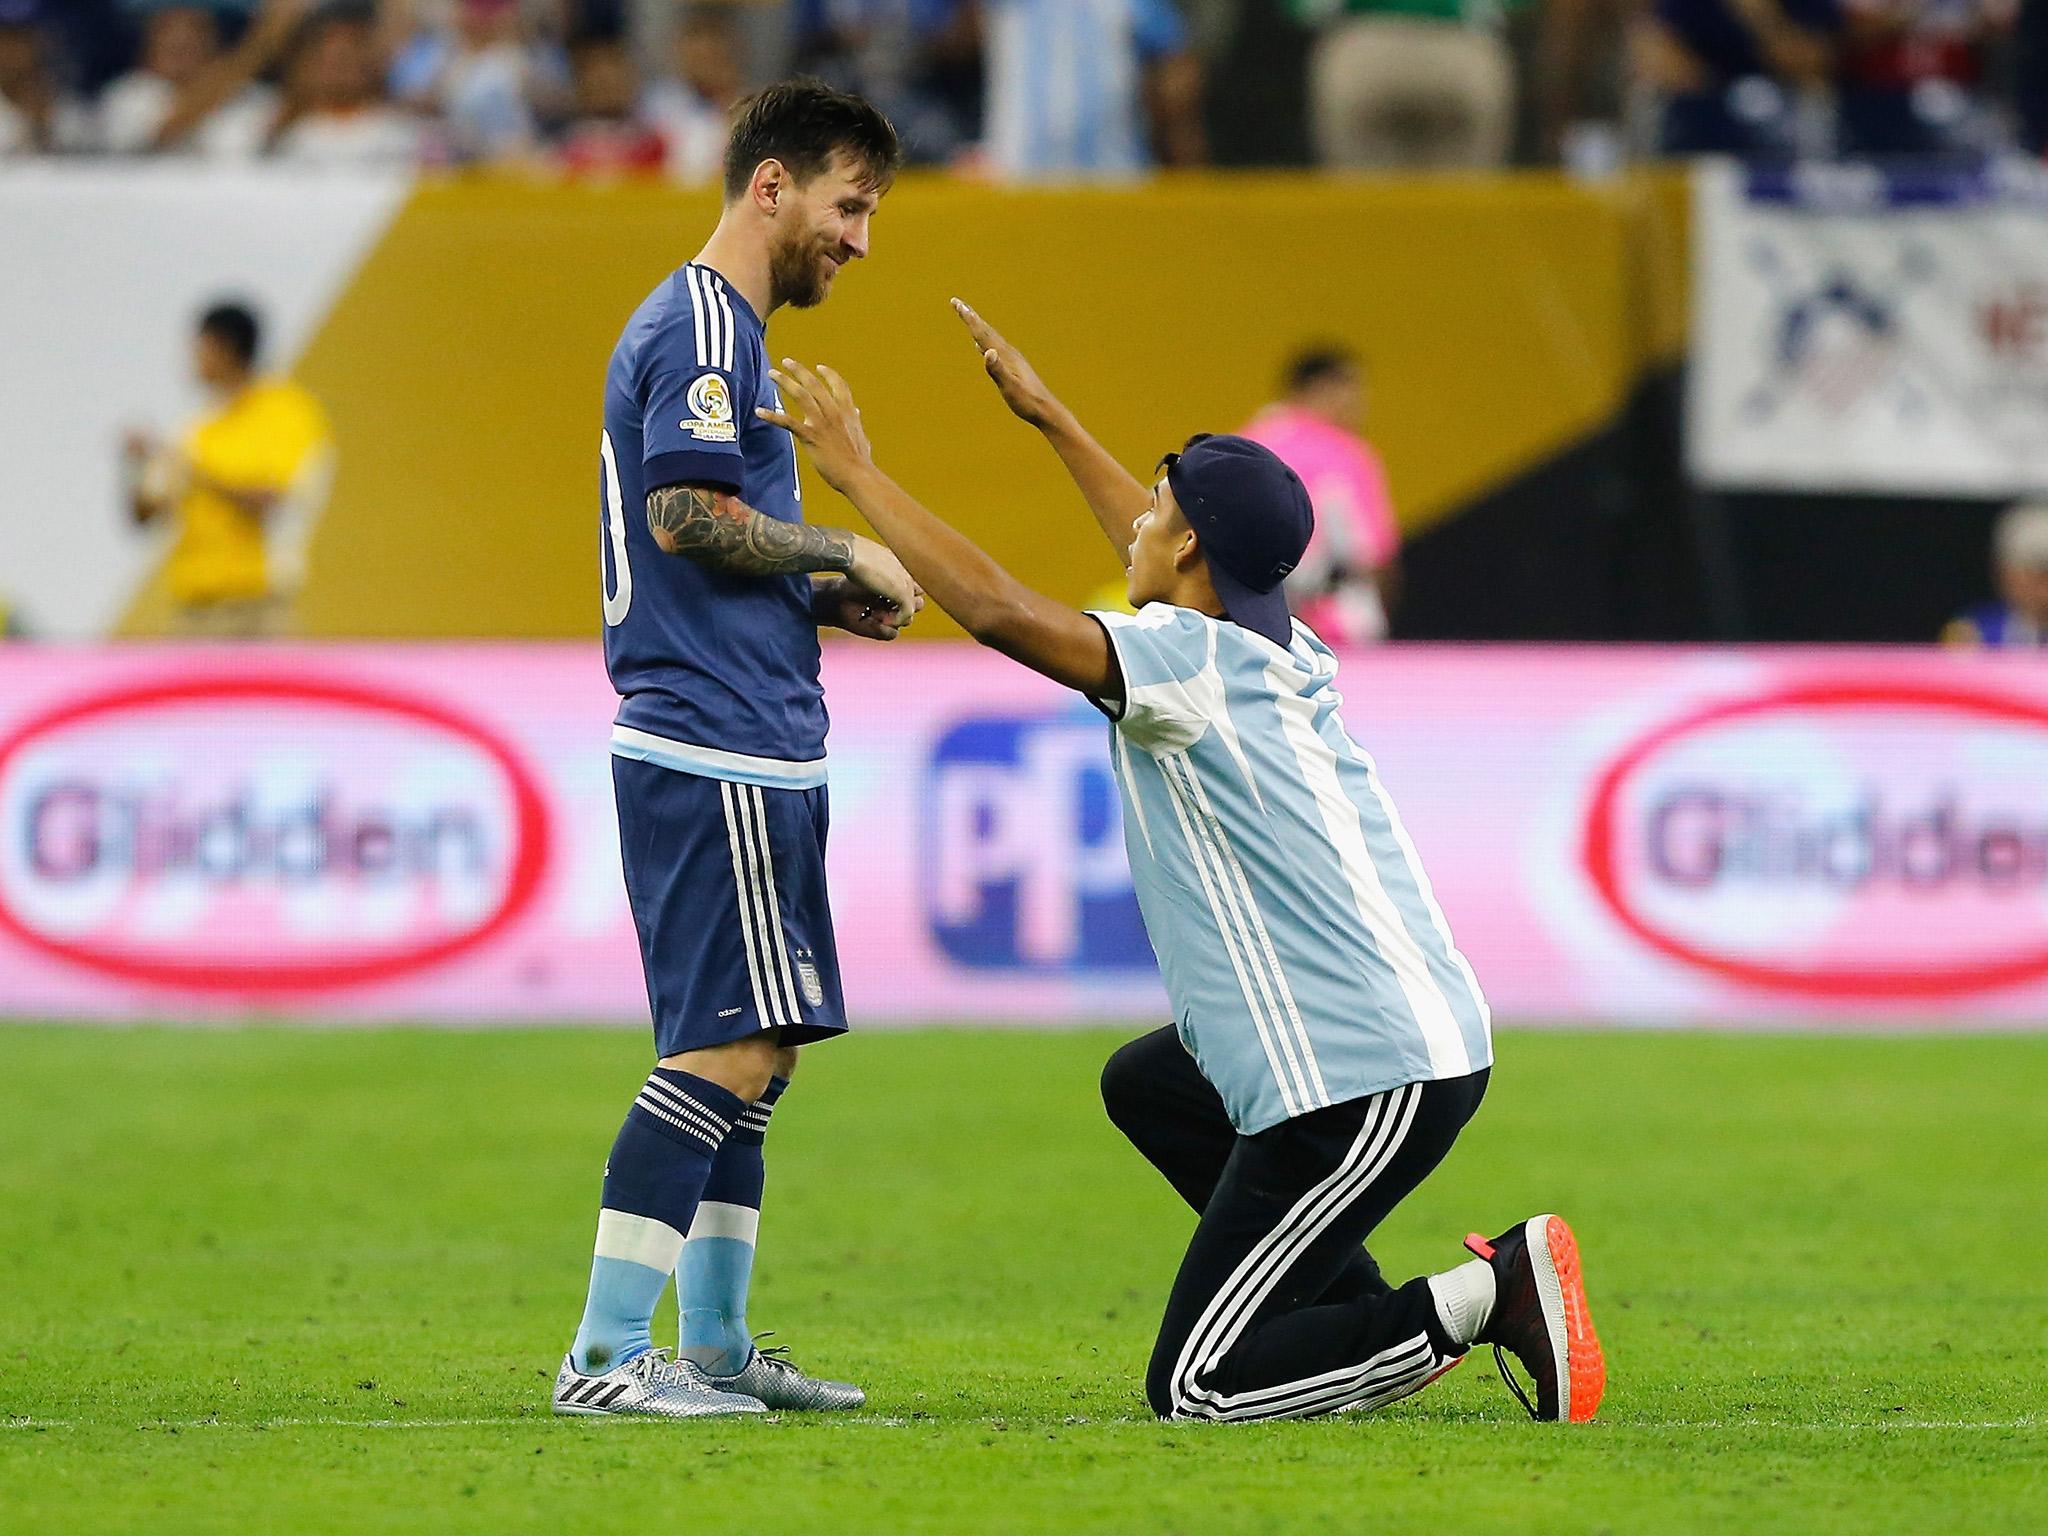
(990, 604)
(717, 529)
(1114, 495)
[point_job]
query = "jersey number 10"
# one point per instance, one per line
(619, 598)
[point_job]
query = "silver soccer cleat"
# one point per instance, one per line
(648, 1386)
(771, 1376)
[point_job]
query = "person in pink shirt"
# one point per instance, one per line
(1346, 581)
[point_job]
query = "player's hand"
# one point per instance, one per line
(848, 605)
(1023, 391)
(818, 411)
(885, 587)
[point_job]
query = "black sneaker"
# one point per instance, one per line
(1541, 1318)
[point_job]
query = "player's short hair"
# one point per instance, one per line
(803, 123)
(235, 326)
(1312, 365)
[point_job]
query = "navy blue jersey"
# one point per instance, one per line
(717, 673)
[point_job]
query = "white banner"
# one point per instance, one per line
(108, 267)
(1861, 330)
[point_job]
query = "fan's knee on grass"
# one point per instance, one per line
(1159, 1389)
(1171, 1398)
(1127, 1086)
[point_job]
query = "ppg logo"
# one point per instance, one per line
(1024, 848)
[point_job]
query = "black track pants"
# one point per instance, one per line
(1278, 1311)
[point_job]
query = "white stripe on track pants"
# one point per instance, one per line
(1278, 1311)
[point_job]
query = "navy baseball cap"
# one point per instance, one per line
(1252, 515)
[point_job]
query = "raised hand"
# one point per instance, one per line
(1023, 391)
(818, 411)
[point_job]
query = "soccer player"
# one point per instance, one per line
(716, 589)
(1329, 1041)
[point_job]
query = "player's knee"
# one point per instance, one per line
(785, 1062)
(741, 1067)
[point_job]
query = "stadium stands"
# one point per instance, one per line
(1025, 88)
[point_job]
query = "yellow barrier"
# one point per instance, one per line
(1502, 317)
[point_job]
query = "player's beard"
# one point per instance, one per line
(800, 273)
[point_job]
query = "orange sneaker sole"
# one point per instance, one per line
(1588, 1362)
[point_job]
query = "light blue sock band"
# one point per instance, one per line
(617, 1314)
(714, 1274)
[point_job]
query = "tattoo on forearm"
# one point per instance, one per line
(724, 532)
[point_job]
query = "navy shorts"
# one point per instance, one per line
(727, 884)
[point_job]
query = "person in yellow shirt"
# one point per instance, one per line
(244, 484)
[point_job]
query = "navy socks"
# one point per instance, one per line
(717, 1264)
(653, 1184)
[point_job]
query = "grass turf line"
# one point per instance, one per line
(319, 1281)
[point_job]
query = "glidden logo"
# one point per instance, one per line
(1848, 839)
(262, 836)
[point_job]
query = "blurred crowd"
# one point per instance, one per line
(1026, 88)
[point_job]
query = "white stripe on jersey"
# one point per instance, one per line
(719, 326)
(716, 326)
(1428, 894)
(1123, 751)
(1317, 760)
(1253, 994)
(1256, 922)
(1257, 941)
(725, 309)
(697, 314)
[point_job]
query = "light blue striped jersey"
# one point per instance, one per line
(1305, 956)
(1066, 84)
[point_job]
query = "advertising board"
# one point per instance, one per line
(418, 832)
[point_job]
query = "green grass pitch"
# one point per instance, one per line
(290, 1281)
